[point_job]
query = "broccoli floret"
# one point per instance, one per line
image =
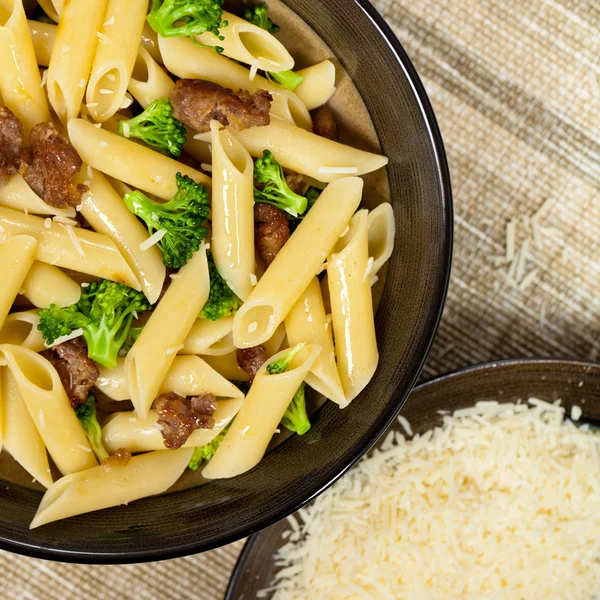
(257, 15)
(295, 418)
(221, 302)
(276, 191)
(157, 128)
(132, 336)
(86, 413)
(207, 451)
(104, 313)
(312, 195)
(286, 79)
(172, 18)
(282, 364)
(183, 219)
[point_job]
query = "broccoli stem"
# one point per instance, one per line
(286, 79)
(295, 418)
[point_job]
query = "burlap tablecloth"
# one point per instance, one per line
(513, 84)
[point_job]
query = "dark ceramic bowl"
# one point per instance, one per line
(296, 471)
(574, 382)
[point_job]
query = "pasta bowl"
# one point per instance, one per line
(381, 106)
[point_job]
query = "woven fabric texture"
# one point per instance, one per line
(514, 86)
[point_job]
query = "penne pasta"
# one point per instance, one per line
(307, 322)
(381, 228)
(348, 272)
(106, 212)
(115, 56)
(71, 247)
(52, 8)
(43, 36)
(210, 337)
(105, 486)
(318, 85)
(153, 353)
(300, 259)
(69, 69)
(187, 376)
(232, 211)
(20, 329)
(17, 194)
(20, 84)
(46, 285)
(308, 153)
(247, 43)
(47, 403)
(150, 43)
(16, 257)
(21, 437)
(148, 81)
(186, 60)
(127, 430)
(132, 163)
(251, 431)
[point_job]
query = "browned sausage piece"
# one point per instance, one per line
(296, 183)
(76, 370)
(196, 102)
(324, 123)
(11, 143)
(119, 459)
(51, 165)
(251, 360)
(180, 416)
(271, 231)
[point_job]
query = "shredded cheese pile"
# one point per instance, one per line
(501, 502)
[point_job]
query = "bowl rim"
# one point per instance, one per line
(397, 399)
(504, 363)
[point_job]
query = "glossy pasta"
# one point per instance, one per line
(318, 85)
(210, 337)
(148, 81)
(46, 285)
(20, 329)
(43, 36)
(381, 228)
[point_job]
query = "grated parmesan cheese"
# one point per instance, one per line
(339, 170)
(74, 240)
(82, 447)
(42, 419)
(126, 129)
(368, 268)
(206, 167)
(252, 327)
(48, 223)
(153, 239)
(253, 70)
(253, 279)
(500, 502)
(65, 220)
(127, 101)
(44, 78)
(92, 104)
(109, 21)
(103, 38)
(105, 92)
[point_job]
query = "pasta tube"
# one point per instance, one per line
(150, 43)
(46, 285)
(115, 56)
(318, 85)
(381, 228)
(233, 211)
(104, 486)
(300, 259)
(20, 84)
(132, 163)
(186, 60)
(307, 322)
(20, 329)
(21, 438)
(18, 195)
(106, 212)
(308, 153)
(43, 36)
(210, 337)
(247, 438)
(72, 56)
(47, 403)
(152, 355)
(53, 8)
(148, 81)
(352, 308)
(187, 376)
(247, 43)
(16, 257)
(127, 430)
(71, 247)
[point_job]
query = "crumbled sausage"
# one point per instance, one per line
(179, 416)
(271, 231)
(77, 372)
(251, 360)
(11, 143)
(50, 166)
(119, 459)
(296, 183)
(196, 102)
(324, 123)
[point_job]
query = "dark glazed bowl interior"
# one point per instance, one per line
(573, 382)
(221, 512)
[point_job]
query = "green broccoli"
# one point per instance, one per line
(172, 18)
(276, 191)
(295, 418)
(312, 195)
(183, 219)
(257, 15)
(221, 302)
(86, 413)
(132, 335)
(286, 79)
(282, 364)
(207, 451)
(104, 313)
(157, 128)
